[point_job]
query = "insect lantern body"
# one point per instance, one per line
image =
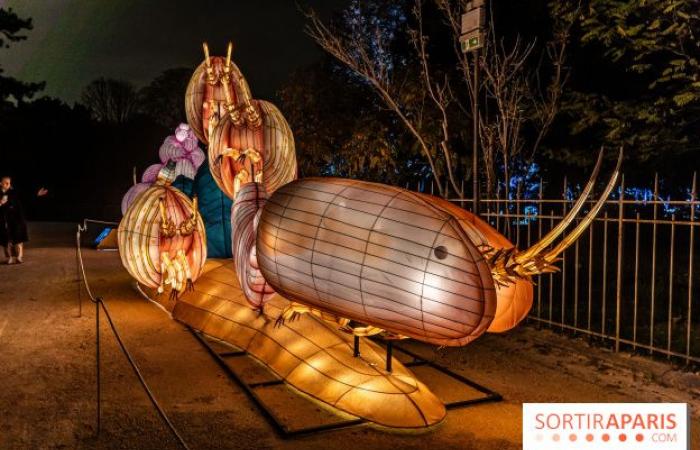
(213, 82)
(249, 151)
(162, 242)
(408, 263)
(377, 255)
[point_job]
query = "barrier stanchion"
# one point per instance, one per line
(101, 306)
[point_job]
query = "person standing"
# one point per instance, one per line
(13, 226)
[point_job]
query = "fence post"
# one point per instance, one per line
(618, 282)
(540, 214)
(604, 300)
(636, 281)
(551, 278)
(590, 277)
(498, 208)
(653, 264)
(669, 320)
(517, 214)
(693, 197)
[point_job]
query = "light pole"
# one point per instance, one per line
(472, 38)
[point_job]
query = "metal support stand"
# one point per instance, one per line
(99, 303)
(489, 395)
(280, 427)
(287, 432)
(356, 347)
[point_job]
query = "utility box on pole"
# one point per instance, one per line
(473, 26)
(472, 39)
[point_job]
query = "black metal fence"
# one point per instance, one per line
(631, 279)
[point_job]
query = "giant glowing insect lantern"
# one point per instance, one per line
(250, 142)
(161, 237)
(408, 263)
(367, 258)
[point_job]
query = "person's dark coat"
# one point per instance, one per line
(13, 227)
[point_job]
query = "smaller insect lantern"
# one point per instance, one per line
(249, 140)
(252, 144)
(162, 242)
(205, 99)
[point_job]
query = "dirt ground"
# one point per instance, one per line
(47, 374)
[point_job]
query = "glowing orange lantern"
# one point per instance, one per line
(250, 151)
(244, 217)
(161, 237)
(205, 99)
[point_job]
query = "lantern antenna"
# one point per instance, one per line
(581, 227)
(229, 50)
(507, 264)
(207, 60)
(566, 221)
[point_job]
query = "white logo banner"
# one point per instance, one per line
(605, 426)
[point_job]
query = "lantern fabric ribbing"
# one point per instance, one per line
(205, 101)
(514, 299)
(244, 217)
(376, 254)
(234, 149)
(152, 258)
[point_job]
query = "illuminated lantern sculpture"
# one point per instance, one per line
(378, 255)
(161, 237)
(258, 149)
(408, 263)
(514, 298)
(180, 148)
(205, 99)
(360, 258)
(147, 179)
(244, 216)
(249, 140)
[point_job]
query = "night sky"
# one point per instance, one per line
(76, 41)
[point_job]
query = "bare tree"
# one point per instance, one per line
(506, 86)
(514, 96)
(111, 101)
(355, 51)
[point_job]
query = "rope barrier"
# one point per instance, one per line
(100, 303)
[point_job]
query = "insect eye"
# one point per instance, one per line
(440, 252)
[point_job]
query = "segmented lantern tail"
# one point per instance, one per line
(509, 263)
(245, 214)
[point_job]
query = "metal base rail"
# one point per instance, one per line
(101, 305)
(489, 395)
(287, 432)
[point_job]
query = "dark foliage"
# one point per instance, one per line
(13, 91)
(164, 98)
